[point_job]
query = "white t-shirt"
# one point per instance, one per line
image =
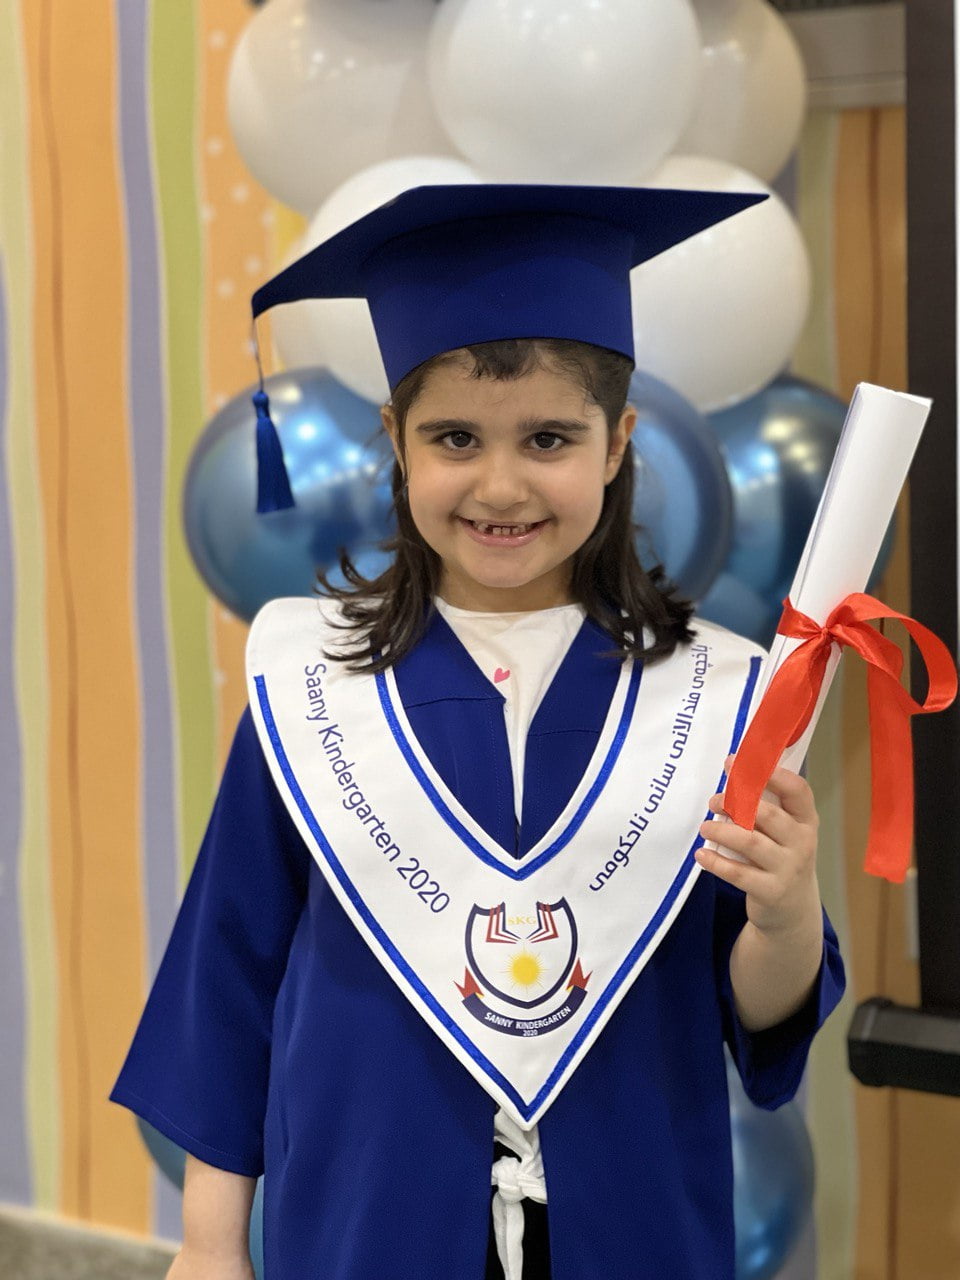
(519, 653)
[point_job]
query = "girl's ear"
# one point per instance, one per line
(390, 426)
(619, 442)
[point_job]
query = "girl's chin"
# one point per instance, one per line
(502, 594)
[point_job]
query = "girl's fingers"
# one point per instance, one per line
(742, 875)
(795, 795)
(756, 847)
(778, 853)
(792, 792)
(771, 820)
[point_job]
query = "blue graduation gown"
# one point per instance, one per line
(274, 1041)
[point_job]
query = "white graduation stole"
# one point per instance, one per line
(516, 964)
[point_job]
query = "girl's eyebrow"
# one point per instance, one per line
(529, 426)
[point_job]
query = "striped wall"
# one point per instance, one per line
(130, 239)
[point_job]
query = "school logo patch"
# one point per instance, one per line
(526, 960)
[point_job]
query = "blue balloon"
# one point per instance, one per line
(169, 1158)
(338, 461)
(683, 501)
(732, 604)
(772, 1181)
(778, 446)
(255, 1237)
(371, 563)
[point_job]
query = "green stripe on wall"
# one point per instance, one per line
(174, 104)
(42, 1102)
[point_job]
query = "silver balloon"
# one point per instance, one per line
(338, 461)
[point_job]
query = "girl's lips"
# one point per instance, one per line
(493, 535)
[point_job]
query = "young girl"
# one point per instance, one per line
(447, 936)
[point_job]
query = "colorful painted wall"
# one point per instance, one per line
(130, 239)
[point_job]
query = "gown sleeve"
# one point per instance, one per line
(771, 1062)
(198, 1067)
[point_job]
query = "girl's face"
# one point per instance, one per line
(505, 481)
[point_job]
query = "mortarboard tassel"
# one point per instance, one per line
(273, 483)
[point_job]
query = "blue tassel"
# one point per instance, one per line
(273, 483)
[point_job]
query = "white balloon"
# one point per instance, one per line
(338, 332)
(291, 328)
(713, 16)
(564, 90)
(341, 334)
(321, 88)
(753, 88)
(373, 187)
(718, 316)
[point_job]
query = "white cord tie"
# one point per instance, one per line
(515, 1180)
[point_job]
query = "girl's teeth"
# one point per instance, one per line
(501, 530)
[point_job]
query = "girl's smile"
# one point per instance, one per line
(502, 535)
(505, 481)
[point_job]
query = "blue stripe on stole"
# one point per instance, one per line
(527, 868)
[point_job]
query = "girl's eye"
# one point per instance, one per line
(456, 440)
(548, 442)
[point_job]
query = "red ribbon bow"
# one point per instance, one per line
(789, 702)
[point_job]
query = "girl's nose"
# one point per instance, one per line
(499, 483)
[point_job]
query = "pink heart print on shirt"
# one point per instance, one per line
(500, 675)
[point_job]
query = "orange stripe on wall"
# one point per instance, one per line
(84, 463)
(237, 215)
(857, 292)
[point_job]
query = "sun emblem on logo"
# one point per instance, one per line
(525, 971)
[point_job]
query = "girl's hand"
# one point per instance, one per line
(779, 874)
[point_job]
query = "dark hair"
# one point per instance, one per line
(389, 613)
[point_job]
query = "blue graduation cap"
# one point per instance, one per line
(443, 267)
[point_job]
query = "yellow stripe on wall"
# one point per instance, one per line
(94, 754)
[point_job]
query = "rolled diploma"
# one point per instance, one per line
(880, 435)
